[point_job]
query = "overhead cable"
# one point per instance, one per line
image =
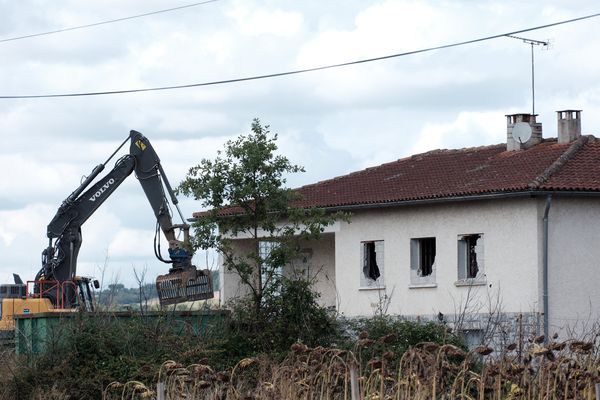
(301, 71)
(105, 22)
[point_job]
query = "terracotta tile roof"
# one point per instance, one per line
(472, 171)
(581, 172)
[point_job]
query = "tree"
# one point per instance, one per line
(244, 191)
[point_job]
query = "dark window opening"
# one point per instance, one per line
(370, 267)
(472, 264)
(470, 256)
(426, 256)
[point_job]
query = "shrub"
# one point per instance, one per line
(384, 333)
(289, 313)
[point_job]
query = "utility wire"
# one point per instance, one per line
(301, 71)
(105, 22)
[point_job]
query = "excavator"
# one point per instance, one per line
(58, 288)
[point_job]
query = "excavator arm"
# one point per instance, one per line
(59, 260)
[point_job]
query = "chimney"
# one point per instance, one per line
(569, 125)
(522, 131)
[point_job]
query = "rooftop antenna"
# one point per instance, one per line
(531, 42)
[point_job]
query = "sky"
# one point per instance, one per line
(332, 122)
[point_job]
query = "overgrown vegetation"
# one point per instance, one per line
(393, 336)
(559, 370)
(299, 351)
(85, 352)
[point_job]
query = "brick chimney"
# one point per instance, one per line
(569, 125)
(536, 131)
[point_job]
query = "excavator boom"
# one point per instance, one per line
(59, 260)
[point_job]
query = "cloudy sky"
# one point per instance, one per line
(332, 122)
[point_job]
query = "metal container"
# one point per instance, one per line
(35, 333)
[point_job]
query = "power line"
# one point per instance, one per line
(105, 22)
(301, 71)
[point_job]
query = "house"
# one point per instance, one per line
(508, 231)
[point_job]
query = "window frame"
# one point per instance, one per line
(365, 282)
(417, 279)
(463, 259)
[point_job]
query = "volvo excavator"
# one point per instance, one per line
(58, 288)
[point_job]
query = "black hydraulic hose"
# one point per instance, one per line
(157, 252)
(95, 172)
(115, 152)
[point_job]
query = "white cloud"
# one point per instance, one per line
(30, 221)
(467, 130)
(252, 20)
(132, 243)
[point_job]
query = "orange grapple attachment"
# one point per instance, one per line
(184, 285)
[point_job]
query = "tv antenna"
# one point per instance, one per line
(531, 42)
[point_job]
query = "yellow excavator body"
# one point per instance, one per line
(16, 299)
(11, 307)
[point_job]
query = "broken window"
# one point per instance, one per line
(422, 256)
(372, 263)
(470, 256)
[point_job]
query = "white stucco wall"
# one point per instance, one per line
(319, 265)
(229, 280)
(574, 264)
(322, 268)
(510, 229)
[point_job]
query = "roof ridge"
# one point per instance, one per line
(559, 162)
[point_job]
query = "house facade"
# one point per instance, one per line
(505, 235)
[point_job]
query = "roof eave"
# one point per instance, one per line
(456, 199)
(465, 198)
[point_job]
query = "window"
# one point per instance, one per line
(372, 264)
(301, 265)
(422, 261)
(270, 270)
(470, 257)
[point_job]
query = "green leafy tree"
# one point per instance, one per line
(243, 190)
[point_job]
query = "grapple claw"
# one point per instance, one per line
(184, 285)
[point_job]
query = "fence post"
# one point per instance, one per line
(160, 391)
(354, 388)
(597, 391)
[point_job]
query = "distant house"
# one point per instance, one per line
(510, 230)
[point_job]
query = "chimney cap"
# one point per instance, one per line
(568, 114)
(528, 114)
(521, 117)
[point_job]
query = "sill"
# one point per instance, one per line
(422, 285)
(362, 288)
(470, 282)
